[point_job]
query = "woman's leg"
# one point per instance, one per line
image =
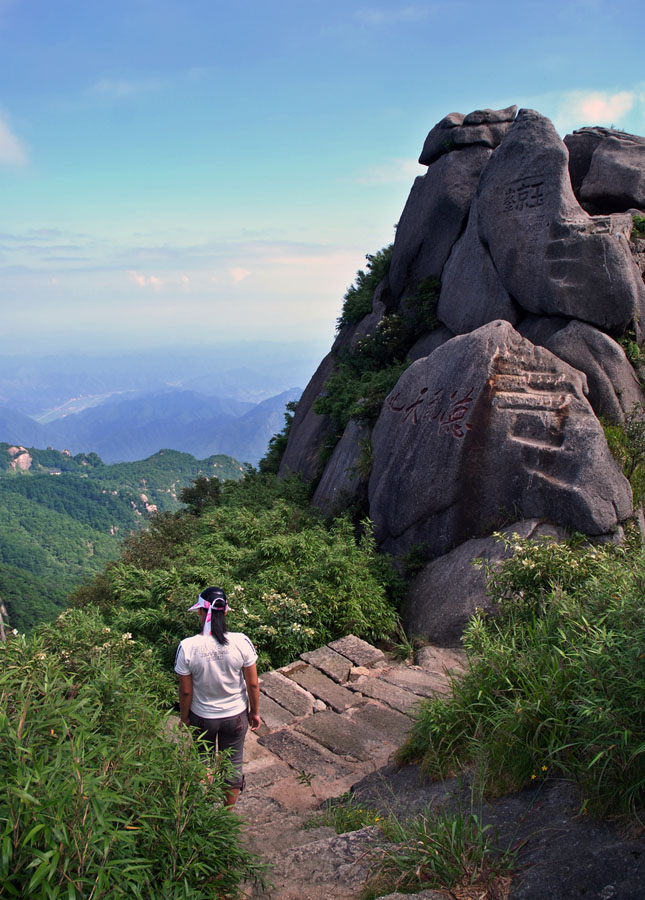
(230, 735)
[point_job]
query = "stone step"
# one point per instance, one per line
(340, 735)
(390, 724)
(398, 698)
(359, 652)
(426, 684)
(330, 719)
(329, 662)
(334, 695)
(441, 660)
(273, 715)
(287, 693)
(305, 755)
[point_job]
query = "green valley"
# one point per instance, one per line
(63, 517)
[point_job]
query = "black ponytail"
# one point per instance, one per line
(218, 613)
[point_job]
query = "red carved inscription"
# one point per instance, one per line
(450, 414)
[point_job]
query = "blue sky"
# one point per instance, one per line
(183, 172)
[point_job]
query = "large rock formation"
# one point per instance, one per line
(498, 414)
(607, 169)
(487, 425)
(449, 590)
(551, 256)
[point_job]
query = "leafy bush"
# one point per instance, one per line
(555, 679)
(368, 370)
(97, 797)
(270, 462)
(627, 444)
(294, 583)
(358, 299)
(638, 227)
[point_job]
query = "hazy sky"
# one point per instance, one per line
(182, 170)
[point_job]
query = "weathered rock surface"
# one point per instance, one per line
(607, 169)
(551, 257)
(561, 854)
(434, 217)
(489, 422)
(483, 126)
(341, 481)
(538, 329)
(429, 342)
(614, 388)
(471, 291)
(581, 146)
(446, 592)
(308, 430)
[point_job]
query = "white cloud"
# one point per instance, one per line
(368, 15)
(145, 281)
(238, 274)
(393, 171)
(12, 151)
(578, 108)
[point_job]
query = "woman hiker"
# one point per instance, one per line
(219, 694)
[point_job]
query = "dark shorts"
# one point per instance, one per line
(225, 734)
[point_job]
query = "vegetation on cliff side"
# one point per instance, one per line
(357, 302)
(555, 680)
(293, 582)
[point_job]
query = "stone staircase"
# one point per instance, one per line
(329, 719)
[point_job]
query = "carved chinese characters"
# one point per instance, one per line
(448, 413)
(524, 194)
(486, 426)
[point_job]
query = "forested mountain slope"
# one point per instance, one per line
(63, 517)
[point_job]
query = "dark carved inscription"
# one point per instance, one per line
(449, 412)
(523, 194)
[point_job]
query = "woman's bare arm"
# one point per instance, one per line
(185, 697)
(253, 690)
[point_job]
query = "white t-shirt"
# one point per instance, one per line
(219, 688)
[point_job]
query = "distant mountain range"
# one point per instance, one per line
(131, 427)
(229, 399)
(246, 371)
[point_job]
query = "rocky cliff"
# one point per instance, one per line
(515, 275)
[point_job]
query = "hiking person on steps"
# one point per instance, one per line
(219, 694)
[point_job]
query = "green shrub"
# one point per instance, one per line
(638, 227)
(358, 299)
(368, 370)
(437, 849)
(555, 678)
(294, 583)
(270, 462)
(626, 441)
(98, 798)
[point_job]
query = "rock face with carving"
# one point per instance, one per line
(497, 417)
(489, 425)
